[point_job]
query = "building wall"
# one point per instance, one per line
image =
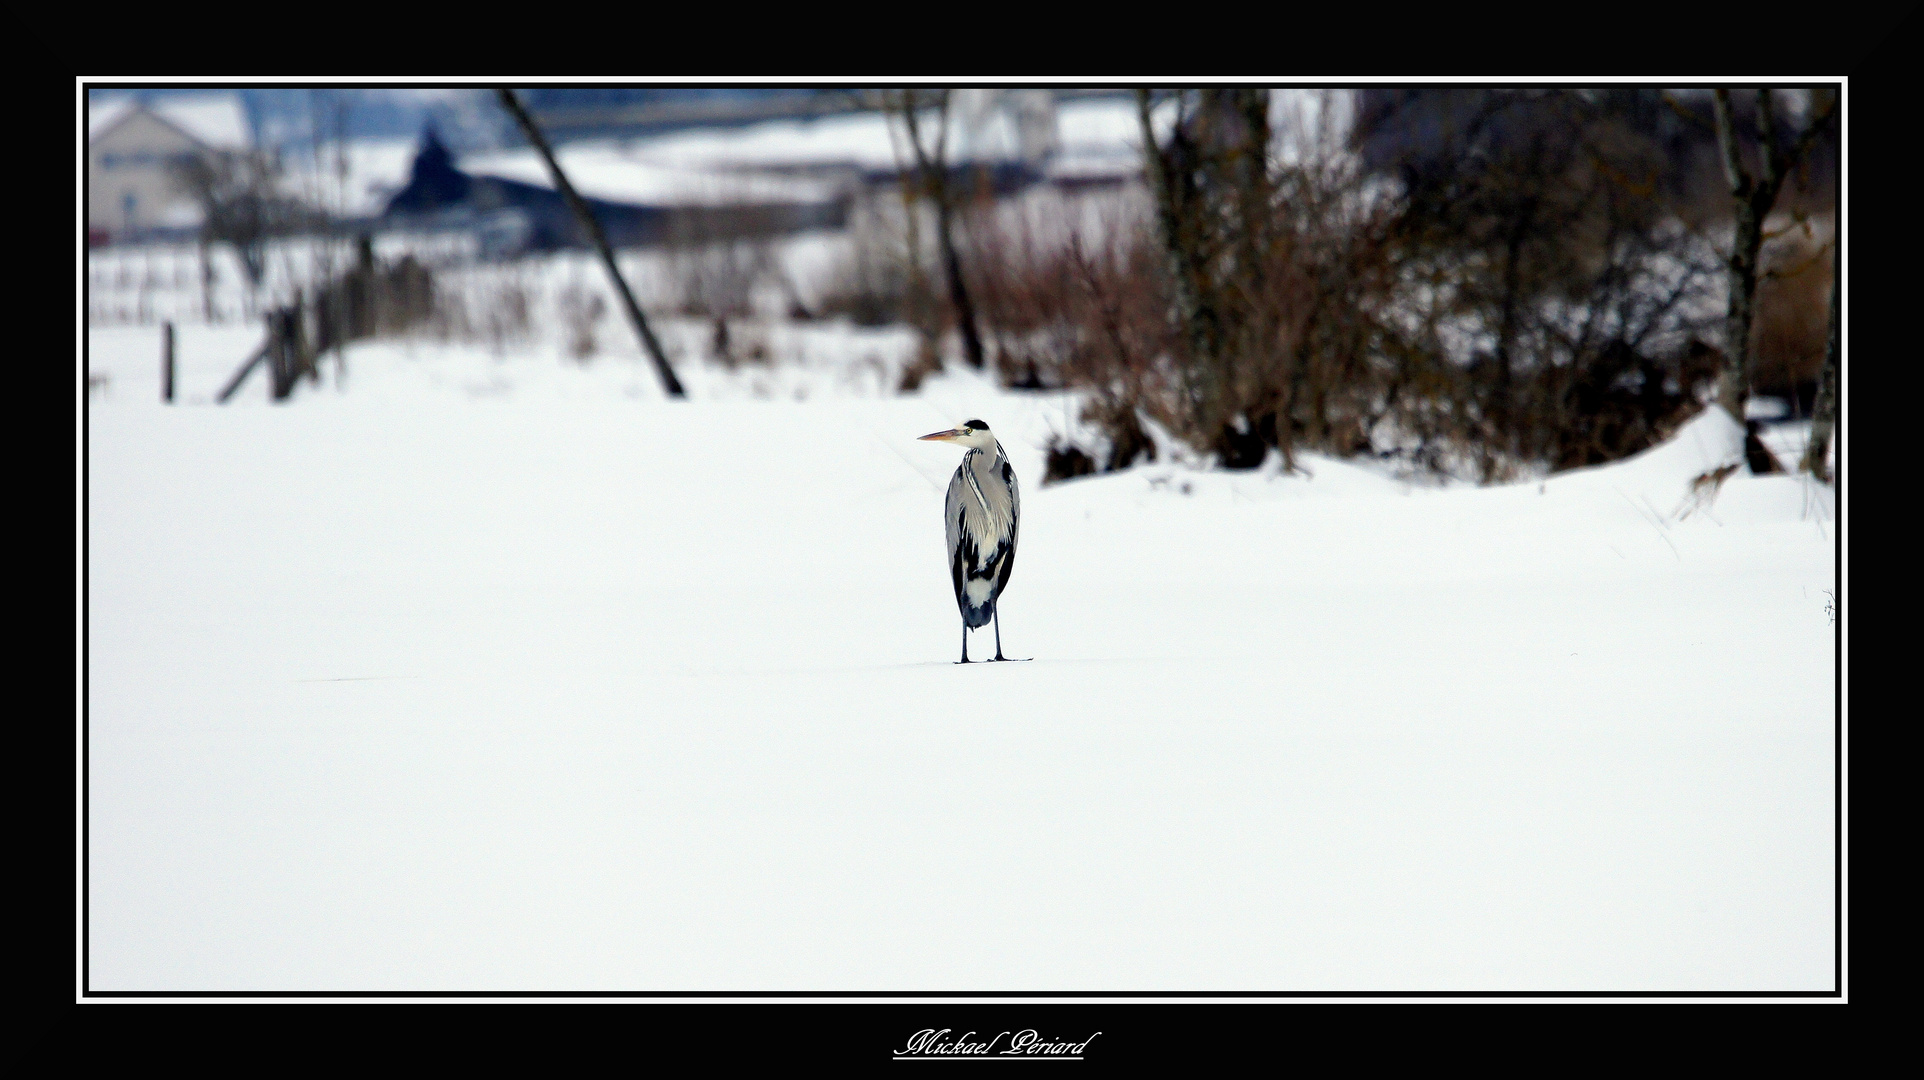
(130, 182)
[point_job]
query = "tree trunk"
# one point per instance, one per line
(958, 289)
(1824, 416)
(934, 170)
(1168, 179)
(1733, 385)
(1752, 198)
(1502, 392)
(1254, 213)
(206, 280)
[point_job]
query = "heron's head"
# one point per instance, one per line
(971, 433)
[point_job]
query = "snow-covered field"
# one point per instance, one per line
(506, 674)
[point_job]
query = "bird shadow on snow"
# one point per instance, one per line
(1039, 662)
(359, 678)
(1031, 663)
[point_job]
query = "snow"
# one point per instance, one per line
(608, 171)
(219, 120)
(1101, 129)
(501, 672)
(861, 140)
(355, 178)
(149, 283)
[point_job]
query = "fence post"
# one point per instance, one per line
(167, 362)
(289, 358)
(298, 357)
(277, 353)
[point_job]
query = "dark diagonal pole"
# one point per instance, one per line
(669, 383)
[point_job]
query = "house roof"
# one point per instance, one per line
(215, 120)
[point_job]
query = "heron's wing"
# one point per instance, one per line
(1015, 498)
(952, 529)
(1007, 554)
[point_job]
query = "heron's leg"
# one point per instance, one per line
(965, 644)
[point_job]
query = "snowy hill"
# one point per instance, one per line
(507, 674)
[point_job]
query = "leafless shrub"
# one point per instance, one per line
(926, 363)
(1023, 278)
(375, 297)
(746, 344)
(714, 278)
(486, 304)
(1066, 461)
(1120, 345)
(581, 309)
(242, 206)
(865, 285)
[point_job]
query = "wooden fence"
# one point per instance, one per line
(370, 299)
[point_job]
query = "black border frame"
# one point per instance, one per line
(86, 991)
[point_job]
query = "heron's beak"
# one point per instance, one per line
(942, 436)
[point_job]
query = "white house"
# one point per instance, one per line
(134, 150)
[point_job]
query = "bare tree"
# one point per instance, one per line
(1753, 195)
(240, 205)
(932, 168)
(591, 226)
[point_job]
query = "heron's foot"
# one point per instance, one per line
(1013, 659)
(966, 660)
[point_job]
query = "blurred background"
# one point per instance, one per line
(1477, 283)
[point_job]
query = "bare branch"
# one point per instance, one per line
(1727, 143)
(941, 128)
(909, 106)
(1152, 155)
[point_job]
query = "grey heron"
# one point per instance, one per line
(981, 515)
